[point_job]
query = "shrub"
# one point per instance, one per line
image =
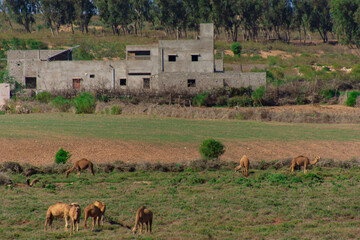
(236, 48)
(62, 156)
(258, 95)
(44, 97)
(61, 103)
(211, 148)
(13, 167)
(116, 110)
(351, 100)
(200, 99)
(241, 101)
(329, 93)
(4, 179)
(85, 103)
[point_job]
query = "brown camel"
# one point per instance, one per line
(143, 215)
(244, 166)
(94, 212)
(102, 207)
(81, 165)
(74, 213)
(59, 210)
(302, 161)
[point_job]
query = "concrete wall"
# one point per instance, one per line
(59, 75)
(4, 93)
(31, 54)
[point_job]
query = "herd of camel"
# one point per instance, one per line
(72, 212)
(143, 215)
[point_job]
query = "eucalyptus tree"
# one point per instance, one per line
(251, 12)
(279, 15)
(4, 9)
(84, 10)
(321, 18)
(346, 19)
(141, 13)
(23, 11)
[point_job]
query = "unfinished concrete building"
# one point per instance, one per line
(169, 66)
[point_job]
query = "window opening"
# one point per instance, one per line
(122, 81)
(146, 83)
(172, 58)
(92, 75)
(194, 58)
(77, 83)
(30, 82)
(191, 83)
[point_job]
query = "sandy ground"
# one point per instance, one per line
(42, 151)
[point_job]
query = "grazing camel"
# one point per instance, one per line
(74, 213)
(302, 161)
(244, 166)
(143, 215)
(102, 207)
(94, 212)
(59, 210)
(81, 165)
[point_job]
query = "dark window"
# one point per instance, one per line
(92, 75)
(146, 83)
(139, 55)
(194, 58)
(30, 82)
(123, 82)
(139, 74)
(191, 83)
(172, 58)
(76, 83)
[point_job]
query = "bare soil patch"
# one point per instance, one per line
(42, 151)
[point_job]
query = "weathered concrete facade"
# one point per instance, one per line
(170, 65)
(4, 93)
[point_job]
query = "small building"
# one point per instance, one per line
(170, 66)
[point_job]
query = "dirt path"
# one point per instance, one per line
(42, 151)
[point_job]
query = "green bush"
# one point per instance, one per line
(211, 148)
(116, 110)
(85, 103)
(62, 156)
(61, 103)
(236, 48)
(351, 100)
(44, 97)
(241, 101)
(258, 95)
(329, 93)
(200, 99)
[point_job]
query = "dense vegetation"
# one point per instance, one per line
(256, 19)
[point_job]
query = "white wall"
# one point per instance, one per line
(4, 93)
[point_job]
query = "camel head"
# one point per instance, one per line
(315, 161)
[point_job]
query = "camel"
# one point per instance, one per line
(94, 212)
(302, 161)
(33, 182)
(59, 210)
(143, 215)
(81, 165)
(102, 207)
(74, 213)
(244, 166)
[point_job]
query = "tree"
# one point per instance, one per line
(58, 12)
(321, 18)
(141, 9)
(346, 17)
(4, 9)
(251, 11)
(85, 9)
(22, 11)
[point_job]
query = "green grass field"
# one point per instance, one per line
(156, 129)
(270, 204)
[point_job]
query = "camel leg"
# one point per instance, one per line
(147, 230)
(66, 223)
(141, 227)
(304, 168)
(79, 173)
(150, 223)
(85, 218)
(93, 226)
(98, 221)
(237, 168)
